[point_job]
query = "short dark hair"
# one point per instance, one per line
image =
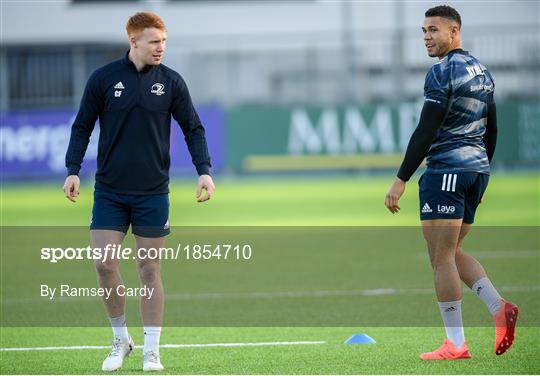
(444, 11)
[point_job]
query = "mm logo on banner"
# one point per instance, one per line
(371, 136)
(353, 135)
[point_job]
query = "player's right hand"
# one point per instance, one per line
(205, 183)
(394, 194)
(71, 187)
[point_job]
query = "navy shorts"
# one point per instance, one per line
(148, 215)
(451, 196)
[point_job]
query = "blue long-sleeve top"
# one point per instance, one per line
(134, 110)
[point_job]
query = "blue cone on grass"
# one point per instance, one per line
(359, 339)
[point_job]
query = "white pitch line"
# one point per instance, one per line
(328, 293)
(280, 294)
(520, 254)
(167, 346)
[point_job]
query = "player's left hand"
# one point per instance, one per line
(205, 182)
(71, 187)
(394, 194)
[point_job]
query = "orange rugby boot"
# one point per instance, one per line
(447, 352)
(505, 326)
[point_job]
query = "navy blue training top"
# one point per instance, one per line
(462, 85)
(134, 110)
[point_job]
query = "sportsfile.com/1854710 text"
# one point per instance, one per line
(182, 252)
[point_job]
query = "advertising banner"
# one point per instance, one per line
(33, 144)
(350, 137)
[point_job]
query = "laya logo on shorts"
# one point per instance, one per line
(443, 209)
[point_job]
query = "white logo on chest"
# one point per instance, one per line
(157, 89)
(120, 87)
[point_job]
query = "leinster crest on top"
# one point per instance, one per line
(157, 89)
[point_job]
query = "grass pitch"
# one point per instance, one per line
(396, 352)
(511, 200)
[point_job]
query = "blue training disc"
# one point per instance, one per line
(359, 339)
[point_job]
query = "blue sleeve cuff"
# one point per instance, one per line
(203, 169)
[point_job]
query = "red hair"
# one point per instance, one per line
(142, 20)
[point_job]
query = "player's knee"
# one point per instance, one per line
(105, 269)
(149, 271)
(441, 257)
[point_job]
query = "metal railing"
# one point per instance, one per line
(49, 76)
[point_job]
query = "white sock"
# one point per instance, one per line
(453, 323)
(489, 295)
(151, 338)
(119, 327)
